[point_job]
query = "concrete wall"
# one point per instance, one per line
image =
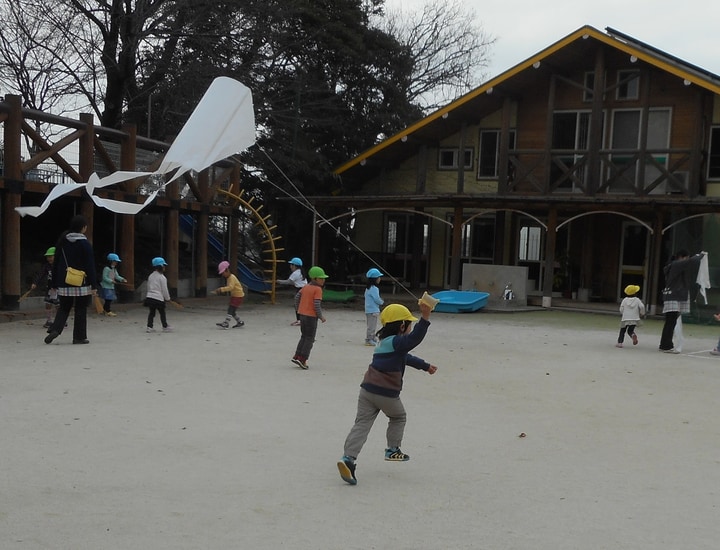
(493, 278)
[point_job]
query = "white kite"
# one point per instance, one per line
(222, 124)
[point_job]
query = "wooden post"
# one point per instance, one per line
(550, 240)
(456, 248)
(596, 125)
(201, 237)
(655, 274)
(10, 259)
(549, 119)
(172, 238)
(504, 149)
(461, 161)
(127, 222)
(85, 170)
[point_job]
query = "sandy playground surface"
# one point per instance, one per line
(212, 439)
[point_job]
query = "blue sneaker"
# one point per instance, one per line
(346, 467)
(396, 455)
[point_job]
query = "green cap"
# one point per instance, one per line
(50, 251)
(316, 272)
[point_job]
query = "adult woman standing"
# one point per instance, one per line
(680, 273)
(73, 250)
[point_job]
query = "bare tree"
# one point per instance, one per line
(449, 48)
(34, 59)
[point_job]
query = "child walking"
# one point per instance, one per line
(237, 294)
(380, 388)
(296, 279)
(44, 277)
(157, 295)
(631, 309)
(109, 277)
(372, 305)
(308, 303)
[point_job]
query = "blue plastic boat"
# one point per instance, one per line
(460, 301)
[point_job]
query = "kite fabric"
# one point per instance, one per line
(222, 124)
(703, 277)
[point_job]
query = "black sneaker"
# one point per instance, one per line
(396, 455)
(224, 325)
(51, 336)
(346, 467)
(239, 324)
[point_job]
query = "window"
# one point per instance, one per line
(401, 238)
(529, 244)
(714, 156)
(448, 158)
(571, 134)
(478, 240)
(490, 152)
(628, 85)
(625, 134)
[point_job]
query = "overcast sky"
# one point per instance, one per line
(687, 29)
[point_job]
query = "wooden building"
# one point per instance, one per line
(590, 163)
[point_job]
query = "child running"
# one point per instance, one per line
(157, 295)
(296, 279)
(110, 276)
(381, 386)
(308, 304)
(44, 277)
(372, 305)
(237, 294)
(631, 309)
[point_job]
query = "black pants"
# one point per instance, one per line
(308, 330)
(666, 340)
(80, 303)
(630, 331)
(156, 305)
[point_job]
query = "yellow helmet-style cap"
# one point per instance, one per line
(395, 312)
(631, 290)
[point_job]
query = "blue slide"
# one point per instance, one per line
(246, 275)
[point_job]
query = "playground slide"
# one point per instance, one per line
(246, 275)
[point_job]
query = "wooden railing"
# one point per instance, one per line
(619, 171)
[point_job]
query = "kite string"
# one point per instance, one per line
(303, 200)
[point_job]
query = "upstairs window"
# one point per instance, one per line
(448, 158)
(628, 85)
(490, 152)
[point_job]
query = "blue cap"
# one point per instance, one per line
(158, 261)
(112, 257)
(374, 273)
(295, 261)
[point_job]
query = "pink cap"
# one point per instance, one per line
(222, 266)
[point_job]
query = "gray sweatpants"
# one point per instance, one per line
(369, 405)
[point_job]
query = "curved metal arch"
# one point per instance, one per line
(673, 224)
(269, 238)
(409, 210)
(645, 225)
(483, 212)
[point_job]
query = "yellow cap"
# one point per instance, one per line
(396, 312)
(632, 289)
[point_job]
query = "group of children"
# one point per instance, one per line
(382, 382)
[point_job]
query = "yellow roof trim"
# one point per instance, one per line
(586, 31)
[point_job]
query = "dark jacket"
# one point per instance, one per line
(385, 374)
(76, 249)
(680, 276)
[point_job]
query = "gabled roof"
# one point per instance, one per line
(573, 47)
